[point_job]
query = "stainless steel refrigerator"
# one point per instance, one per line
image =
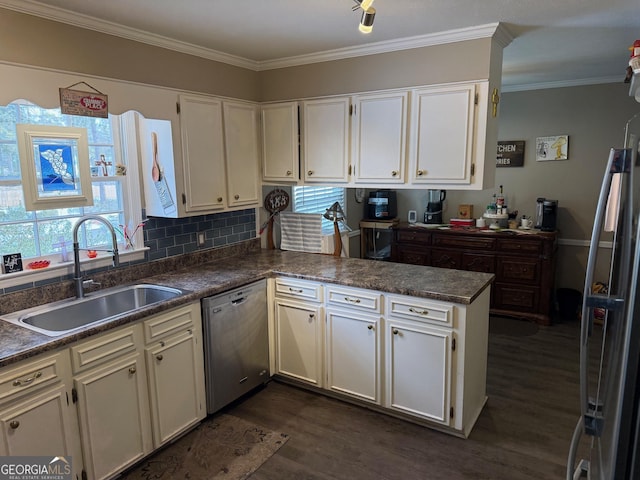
(606, 441)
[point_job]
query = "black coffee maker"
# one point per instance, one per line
(433, 213)
(549, 215)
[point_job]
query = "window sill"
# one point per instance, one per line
(58, 270)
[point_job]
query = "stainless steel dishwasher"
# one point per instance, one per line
(236, 343)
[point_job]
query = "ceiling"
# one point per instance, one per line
(554, 43)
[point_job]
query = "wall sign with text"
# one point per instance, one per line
(510, 153)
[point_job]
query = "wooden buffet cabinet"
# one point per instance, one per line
(523, 263)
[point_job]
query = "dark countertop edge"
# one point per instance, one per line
(43, 344)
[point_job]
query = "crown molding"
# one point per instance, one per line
(84, 21)
(91, 23)
(450, 36)
(559, 84)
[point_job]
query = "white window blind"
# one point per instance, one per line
(317, 200)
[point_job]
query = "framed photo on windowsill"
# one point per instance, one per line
(55, 166)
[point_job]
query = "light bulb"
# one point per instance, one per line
(366, 22)
(365, 28)
(365, 4)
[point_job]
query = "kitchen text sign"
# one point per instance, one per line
(510, 153)
(87, 104)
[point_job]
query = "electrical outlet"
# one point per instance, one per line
(201, 239)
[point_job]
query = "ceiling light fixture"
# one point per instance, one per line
(368, 14)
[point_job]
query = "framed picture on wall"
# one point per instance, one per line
(55, 166)
(552, 148)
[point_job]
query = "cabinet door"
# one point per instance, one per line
(442, 135)
(379, 137)
(114, 416)
(280, 152)
(40, 424)
(242, 153)
(176, 385)
(418, 376)
(202, 153)
(353, 354)
(446, 258)
(299, 341)
(325, 140)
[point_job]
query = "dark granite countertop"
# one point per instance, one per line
(456, 286)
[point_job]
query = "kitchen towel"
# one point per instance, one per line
(301, 232)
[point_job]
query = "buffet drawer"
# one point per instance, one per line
(446, 258)
(420, 237)
(465, 242)
(412, 255)
(512, 245)
(521, 270)
(515, 297)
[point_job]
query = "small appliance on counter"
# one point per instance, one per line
(433, 213)
(382, 205)
(546, 214)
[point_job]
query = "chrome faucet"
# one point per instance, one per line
(79, 282)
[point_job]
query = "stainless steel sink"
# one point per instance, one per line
(63, 317)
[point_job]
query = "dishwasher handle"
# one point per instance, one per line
(238, 301)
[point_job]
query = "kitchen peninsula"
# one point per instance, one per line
(404, 340)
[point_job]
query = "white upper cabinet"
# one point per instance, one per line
(242, 151)
(325, 140)
(442, 135)
(202, 153)
(379, 133)
(280, 149)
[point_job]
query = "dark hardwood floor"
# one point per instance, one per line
(523, 432)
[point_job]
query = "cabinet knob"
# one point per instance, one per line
(312, 316)
(159, 357)
(237, 197)
(370, 327)
(289, 172)
(132, 370)
(310, 172)
(394, 173)
(14, 424)
(219, 199)
(395, 331)
(162, 344)
(420, 173)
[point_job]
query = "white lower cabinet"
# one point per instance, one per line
(418, 370)
(175, 368)
(110, 388)
(353, 354)
(36, 415)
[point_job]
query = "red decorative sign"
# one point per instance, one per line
(87, 104)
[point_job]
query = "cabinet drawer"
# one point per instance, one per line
(106, 347)
(412, 255)
(30, 376)
(476, 262)
(465, 242)
(516, 297)
(412, 308)
(419, 237)
(302, 289)
(166, 323)
(512, 245)
(365, 300)
(446, 258)
(521, 270)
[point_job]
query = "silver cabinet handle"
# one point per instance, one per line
(14, 424)
(352, 300)
(296, 290)
(26, 381)
(419, 312)
(132, 370)
(159, 357)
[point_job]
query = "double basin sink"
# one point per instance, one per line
(66, 316)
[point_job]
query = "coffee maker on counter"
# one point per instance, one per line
(546, 214)
(433, 213)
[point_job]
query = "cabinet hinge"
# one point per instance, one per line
(178, 108)
(453, 344)
(74, 395)
(352, 110)
(184, 199)
(475, 100)
(473, 169)
(84, 475)
(67, 394)
(451, 412)
(350, 168)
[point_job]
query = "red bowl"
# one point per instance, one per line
(38, 264)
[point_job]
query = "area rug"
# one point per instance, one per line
(222, 447)
(513, 327)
